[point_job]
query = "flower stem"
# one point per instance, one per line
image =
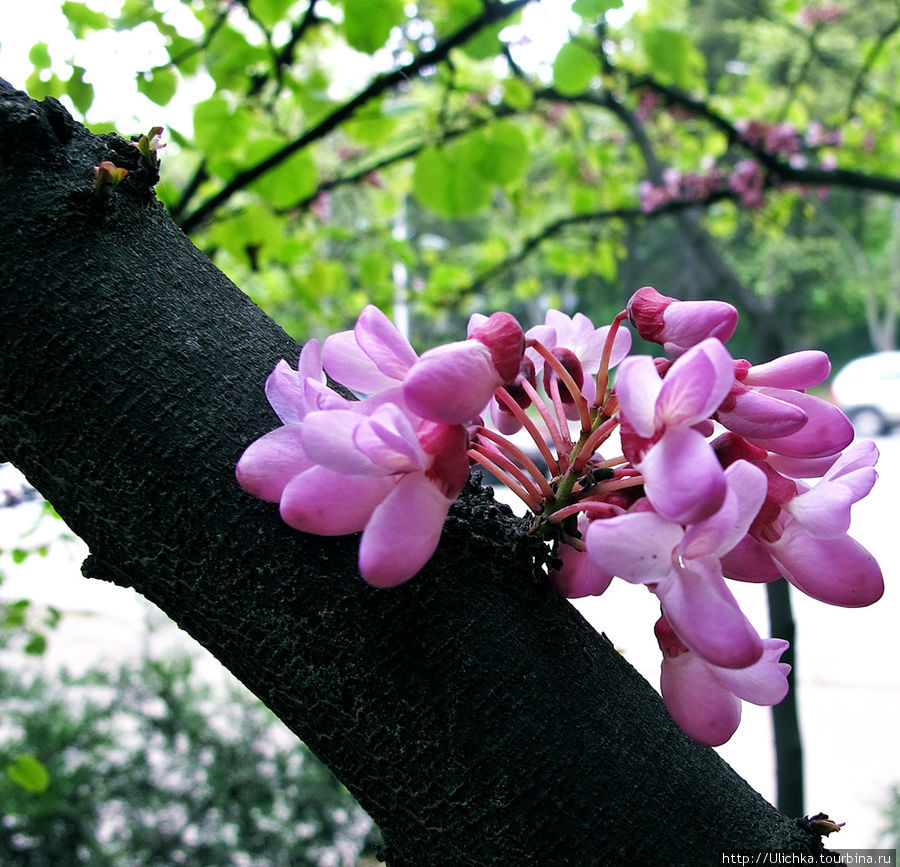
(510, 403)
(566, 377)
(514, 452)
(531, 500)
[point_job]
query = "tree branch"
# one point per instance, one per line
(492, 12)
(476, 716)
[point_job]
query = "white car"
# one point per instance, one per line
(868, 391)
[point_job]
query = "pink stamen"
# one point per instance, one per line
(510, 403)
(514, 452)
(603, 372)
(529, 499)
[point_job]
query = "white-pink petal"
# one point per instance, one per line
(638, 384)
(382, 341)
(403, 532)
(636, 546)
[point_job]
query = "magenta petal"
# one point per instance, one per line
(387, 438)
(706, 617)
(750, 561)
(346, 362)
(328, 503)
(579, 575)
(764, 682)
(687, 323)
(382, 341)
(837, 571)
(798, 370)
(756, 414)
(723, 530)
(702, 707)
(696, 384)
(683, 479)
(403, 532)
(826, 432)
(269, 463)
(452, 384)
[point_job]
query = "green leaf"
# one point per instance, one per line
(517, 94)
(290, 181)
(574, 68)
(447, 181)
(29, 773)
(19, 555)
(39, 55)
(592, 9)
(36, 644)
(219, 128)
(83, 19)
(269, 12)
(500, 154)
(80, 92)
(158, 84)
(672, 57)
(367, 25)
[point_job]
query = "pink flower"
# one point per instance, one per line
(682, 476)
(453, 384)
(679, 325)
(371, 358)
(705, 699)
(579, 574)
(681, 565)
(403, 480)
(271, 461)
(801, 532)
(768, 407)
(747, 180)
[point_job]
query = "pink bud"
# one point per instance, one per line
(503, 335)
(679, 325)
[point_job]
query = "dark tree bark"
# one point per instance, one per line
(477, 717)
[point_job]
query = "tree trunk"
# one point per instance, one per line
(476, 716)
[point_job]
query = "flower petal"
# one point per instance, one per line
(826, 432)
(382, 341)
(452, 384)
(346, 362)
(269, 463)
(328, 503)
(702, 707)
(696, 384)
(403, 532)
(707, 618)
(764, 682)
(797, 370)
(757, 414)
(837, 571)
(683, 479)
(329, 438)
(638, 385)
(636, 546)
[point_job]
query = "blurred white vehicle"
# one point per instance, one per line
(868, 391)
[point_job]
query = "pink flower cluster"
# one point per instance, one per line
(707, 486)
(746, 178)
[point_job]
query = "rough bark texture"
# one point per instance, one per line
(477, 718)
